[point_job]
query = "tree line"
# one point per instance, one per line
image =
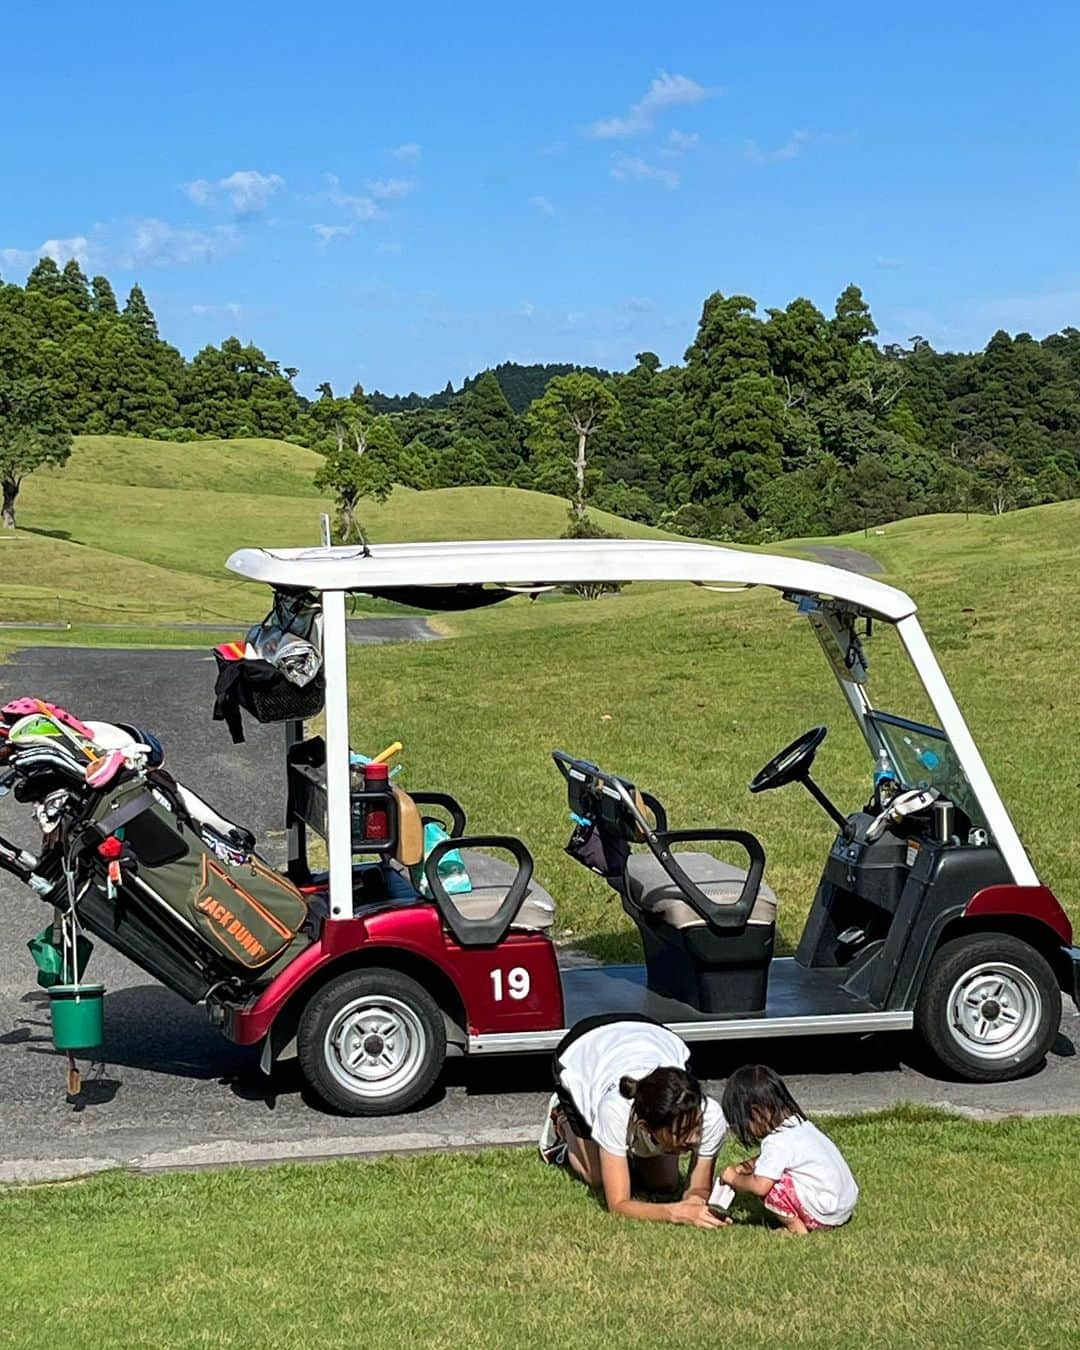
(786, 423)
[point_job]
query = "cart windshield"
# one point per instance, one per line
(923, 757)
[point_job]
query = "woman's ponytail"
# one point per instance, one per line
(628, 1086)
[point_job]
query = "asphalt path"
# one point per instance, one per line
(850, 559)
(170, 1091)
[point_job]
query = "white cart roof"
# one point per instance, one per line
(538, 562)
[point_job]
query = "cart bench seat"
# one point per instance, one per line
(491, 879)
(652, 891)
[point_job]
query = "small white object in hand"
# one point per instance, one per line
(722, 1196)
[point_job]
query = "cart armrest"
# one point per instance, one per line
(719, 917)
(449, 804)
(480, 932)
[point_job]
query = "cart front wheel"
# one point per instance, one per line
(372, 1042)
(989, 1008)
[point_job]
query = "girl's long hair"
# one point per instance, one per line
(756, 1101)
(668, 1100)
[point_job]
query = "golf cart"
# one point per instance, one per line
(928, 915)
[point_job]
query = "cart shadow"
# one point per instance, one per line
(150, 1029)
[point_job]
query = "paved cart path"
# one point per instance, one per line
(850, 559)
(170, 1091)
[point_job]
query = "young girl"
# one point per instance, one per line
(624, 1099)
(799, 1172)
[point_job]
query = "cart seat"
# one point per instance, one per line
(652, 891)
(491, 879)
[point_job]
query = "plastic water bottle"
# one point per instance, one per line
(452, 874)
(884, 771)
(885, 781)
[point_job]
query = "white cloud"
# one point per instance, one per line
(201, 191)
(409, 151)
(798, 141)
(526, 309)
(59, 250)
(363, 207)
(666, 91)
(628, 169)
(390, 249)
(248, 190)
(230, 308)
(543, 204)
(327, 233)
(679, 142)
(155, 243)
(891, 263)
(390, 189)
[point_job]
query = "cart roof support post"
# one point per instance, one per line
(338, 815)
(966, 751)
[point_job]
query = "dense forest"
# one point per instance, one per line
(790, 422)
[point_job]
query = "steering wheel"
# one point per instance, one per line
(792, 763)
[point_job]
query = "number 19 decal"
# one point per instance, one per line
(517, 983)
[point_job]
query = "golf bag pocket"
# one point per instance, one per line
(600, 850)
(248, 912)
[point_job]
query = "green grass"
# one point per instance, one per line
(139, 530)
(965, 1234)
(689, 693)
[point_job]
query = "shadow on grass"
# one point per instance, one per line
(48, 534)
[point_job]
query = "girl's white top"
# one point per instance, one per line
(823, 1180)
(591, 1069)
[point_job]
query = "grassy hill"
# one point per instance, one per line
(136, 530)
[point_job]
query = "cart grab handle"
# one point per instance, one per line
(480, 932)
(718, 917)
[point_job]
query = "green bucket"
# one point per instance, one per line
(78, 1015)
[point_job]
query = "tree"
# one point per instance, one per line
(361, 462)
(735, 408)
(853, 323)
(74, 287)
(139, 316)
(562, 421)
(485, 416)
(32, 429)
(45, 277)
(465, 464)
(103, 297)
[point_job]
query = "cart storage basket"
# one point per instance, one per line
(240, 907)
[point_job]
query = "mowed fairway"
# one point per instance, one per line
(966, 1234)
(137, 531)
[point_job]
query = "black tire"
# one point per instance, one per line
(372, 1042)
(969, 981)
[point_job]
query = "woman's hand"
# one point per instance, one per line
(696, 1213)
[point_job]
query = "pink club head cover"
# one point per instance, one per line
(23, 707)
(102, 771)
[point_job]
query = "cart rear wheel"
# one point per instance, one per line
(989, 1008)
(372, 1042)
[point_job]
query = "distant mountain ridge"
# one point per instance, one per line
(520, 385)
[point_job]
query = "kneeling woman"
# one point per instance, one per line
(625, 1109)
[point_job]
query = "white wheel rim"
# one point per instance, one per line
(375, 1046)
(994, 1010)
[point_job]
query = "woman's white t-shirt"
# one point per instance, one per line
(823, 1180)
(590, 1071)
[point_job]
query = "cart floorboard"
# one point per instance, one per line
(807, 1001)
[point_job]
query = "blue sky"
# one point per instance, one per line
(404, 195)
